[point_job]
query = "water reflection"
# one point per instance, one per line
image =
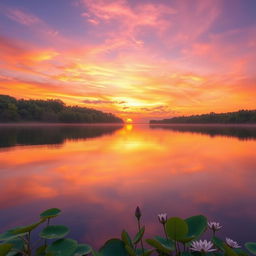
(240, 132)
(51, 134)
(98, 182)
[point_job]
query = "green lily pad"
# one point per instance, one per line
(53, 232)
(161, 244)
(10, 234)
(139, 235)
(229, 251)
(40, 251)
(176, 228)
(240, 252)
(95, 253)
(17, 244)
(18, 231)
(4, 249)
(218, 243)
(196, 225)
(82, 249)
(62, 247)
(145, 252)
(50, 213)
(113, 247)
(251, 247)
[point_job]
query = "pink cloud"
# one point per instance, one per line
(22, 17)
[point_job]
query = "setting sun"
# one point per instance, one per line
(128, 120)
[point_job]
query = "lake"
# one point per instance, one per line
(98, 175)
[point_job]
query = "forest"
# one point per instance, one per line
(238, 117)
(51, 111)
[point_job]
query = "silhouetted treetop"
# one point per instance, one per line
(238, 117)
(54, 111)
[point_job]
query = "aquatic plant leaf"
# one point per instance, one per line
(162, 244)
(126, 238)
(229, 251)
(18, 231)
(53, 232)
(218, 243)
(139, 235)
(240, 252)
(95, 253)
(251, 247)
(186, 254)
(145, 252)
(113, 247)
(62, 247)
(17, 244)
(187, 239)
(196, 225)
(40, 251)
(27, 229)
(4, 249)
(176, 228)
(130, 250)
(50, 213)
(10, 234)
(82, 249)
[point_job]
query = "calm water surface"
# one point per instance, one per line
(98, 174)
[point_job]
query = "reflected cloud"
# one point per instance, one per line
(181, 173)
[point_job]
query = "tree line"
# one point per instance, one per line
(238, 117)
(53, 111)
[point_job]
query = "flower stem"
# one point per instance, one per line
(141, 241)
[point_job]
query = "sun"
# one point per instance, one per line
(128, 120)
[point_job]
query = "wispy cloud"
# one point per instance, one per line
(140, 58)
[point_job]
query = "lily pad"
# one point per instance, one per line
(218, 243)
(251, 247)
(82, 249)
(176, 228)
(62, 247)
(113, 247)
(53, 232)
(10, 234)
(161, 244)
(17, 244)
(196, 225)
(50, 213)
(4, 249)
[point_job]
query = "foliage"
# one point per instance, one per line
(181, 239)
(52, 111)
(241, 116)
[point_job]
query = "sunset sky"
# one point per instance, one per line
(139, 59)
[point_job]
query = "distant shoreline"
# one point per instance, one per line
(59, 124)
(206, 124)
(122, 124)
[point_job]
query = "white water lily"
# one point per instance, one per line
(231, 243)
(215, 226)
(162, 217)
(202, 246)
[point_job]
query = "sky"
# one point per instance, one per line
(139, 59)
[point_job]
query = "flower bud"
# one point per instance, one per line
(138, 213)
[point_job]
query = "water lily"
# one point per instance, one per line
(202, 246)
(215, 226)
(231, 243)
(162, 217)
